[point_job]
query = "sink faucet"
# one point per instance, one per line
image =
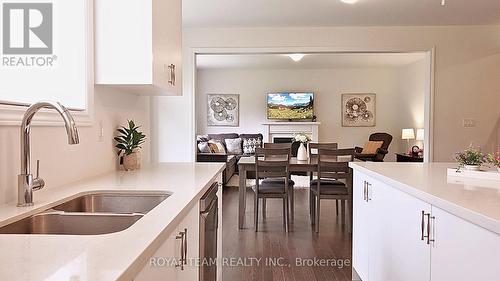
(26, 182)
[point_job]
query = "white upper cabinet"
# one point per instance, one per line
(138, 45)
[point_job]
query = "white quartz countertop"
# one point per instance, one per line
(477, 201)
(110, 256)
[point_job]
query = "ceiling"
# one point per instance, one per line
(310, 61)
(282, 13)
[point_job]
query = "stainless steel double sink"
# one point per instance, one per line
(90, 214)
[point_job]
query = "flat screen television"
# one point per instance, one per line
(290, 105)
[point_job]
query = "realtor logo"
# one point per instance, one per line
(27, 28)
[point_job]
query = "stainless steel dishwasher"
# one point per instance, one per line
(209, 221)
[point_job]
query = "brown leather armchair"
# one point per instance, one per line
(381, 152)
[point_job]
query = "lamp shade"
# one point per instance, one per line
(420, 134)
(408, 134)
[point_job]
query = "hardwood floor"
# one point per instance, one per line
(249, 255)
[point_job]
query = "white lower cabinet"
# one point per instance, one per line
(397, 251)
(399, 237)
(165, 264)
(183, 243)
(463, 251)
(360, 225)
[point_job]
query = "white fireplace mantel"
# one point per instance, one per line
(289, 129)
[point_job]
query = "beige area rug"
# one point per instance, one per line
(300, 182)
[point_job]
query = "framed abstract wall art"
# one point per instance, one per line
(358, 110)
(223, 110)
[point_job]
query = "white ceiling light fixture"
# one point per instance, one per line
(443, 2)
(349, 1)
(296, 57)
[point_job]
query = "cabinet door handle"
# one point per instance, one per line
(364, 191)
(185, 245)
(422, 225)
(368, 192)
(182, 236)
(427, 230)
(171, 79)
(429, 237)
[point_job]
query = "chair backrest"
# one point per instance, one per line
(330, 167)
(330, 145)
(386, 138)
(278, 145)
(272, 163)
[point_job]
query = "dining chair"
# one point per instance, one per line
(315, 146)
(334, 182)
(272, 165)
(281, 181)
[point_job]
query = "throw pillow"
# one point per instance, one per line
(249, 145)
(203, 138)
(234, 146)
(371, 147)
(216, 146)
(203, 147)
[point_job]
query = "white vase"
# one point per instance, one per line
(498, 169)
(471, 167)
(302, 153)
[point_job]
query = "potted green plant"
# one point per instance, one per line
(494, 159)
(470, 159)
(128, 142)
(303, 138)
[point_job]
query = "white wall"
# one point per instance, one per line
(328, 86)
(413, 81)
(62, 163)
(467, 71)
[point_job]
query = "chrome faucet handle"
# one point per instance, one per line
(38, 183)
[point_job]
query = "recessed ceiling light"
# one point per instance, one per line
(296, 57)
(349, 1)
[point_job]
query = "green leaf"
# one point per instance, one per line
(121, 146)
(123, 132)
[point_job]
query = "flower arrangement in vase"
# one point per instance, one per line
(494, 159)
(128, 142)
(470, 159)
(303, 138)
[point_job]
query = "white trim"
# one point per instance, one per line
(11, 115)
(429, 108)
(429, 104)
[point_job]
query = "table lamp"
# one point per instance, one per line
(420, 134)
(408, 134)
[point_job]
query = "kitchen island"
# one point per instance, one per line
(115, 256)
(413, 222)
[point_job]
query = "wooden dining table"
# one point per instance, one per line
(247, 163)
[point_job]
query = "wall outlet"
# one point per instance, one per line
(469, 123)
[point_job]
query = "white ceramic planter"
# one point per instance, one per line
(472, 167)
(302, 153)
(130, 162)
